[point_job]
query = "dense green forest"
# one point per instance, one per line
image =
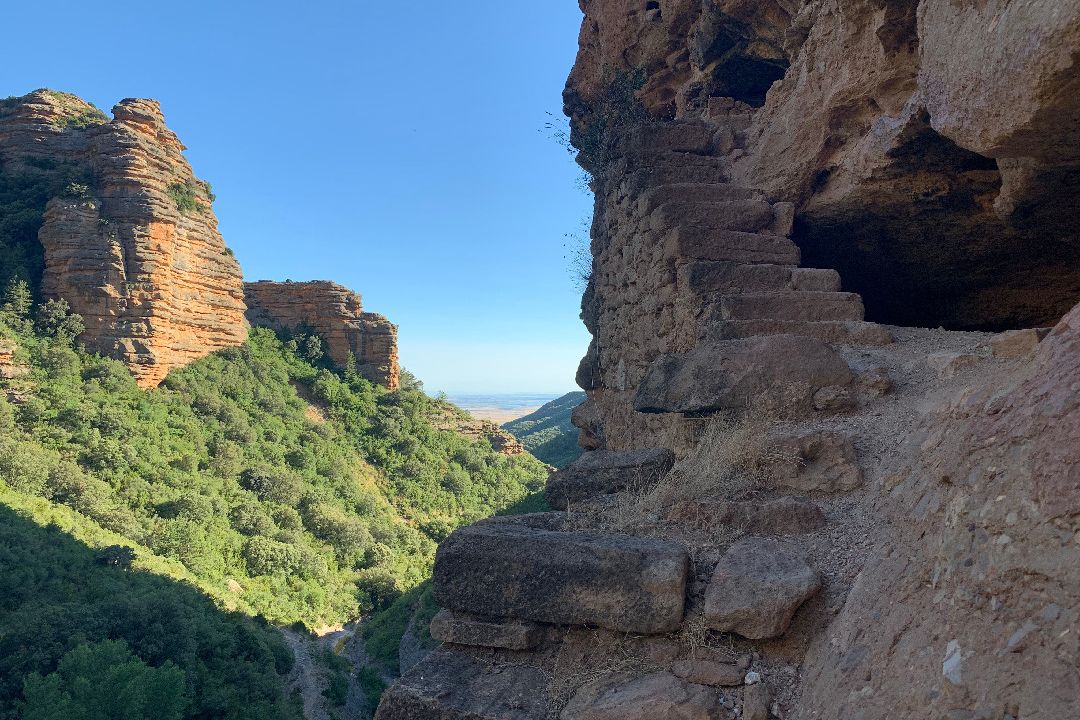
(548, 433)
(150, 535)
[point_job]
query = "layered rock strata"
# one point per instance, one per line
(907, 134)
(337, 315)
(135, 250)
(897, 538)
(697, 301)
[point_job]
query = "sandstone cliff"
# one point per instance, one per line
(129, 239)
(910, 134)
(337, 315)
(797, 500)
(135, 250)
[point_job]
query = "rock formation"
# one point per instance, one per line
(879, 520)
(909, 134)
(135, 250)
(9, 367)
(337, 315)
(132, 244)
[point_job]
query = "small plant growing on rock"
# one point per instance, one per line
(207, 189)
(78, 114)
(186, 196)
(616, 110)
(85, 118)
(78, 190)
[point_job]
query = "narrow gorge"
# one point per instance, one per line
(205, 483)
(832, 425)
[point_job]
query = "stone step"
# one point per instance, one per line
(449, 685)
(692, 242)
(815, 280)
(602, 472)
(656, 696)
(743, 215)
(672, 169)
(756, 588)
(800, 305)
(716, 667)
(842, 332)
(464, 629)
(790, 371)
(782, 516)
(703, 277)
(653, 197)
(682, 137)
(513, 568)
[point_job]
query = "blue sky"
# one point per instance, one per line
(397, 148)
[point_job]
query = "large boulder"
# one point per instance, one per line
(784, 371)
(511, 570)
(455, 686)
(757, 587)
(603, 472)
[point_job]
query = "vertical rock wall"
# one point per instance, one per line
(337, 315)
(939, 203)
(908, 134)
(928, 151)
(154, 282)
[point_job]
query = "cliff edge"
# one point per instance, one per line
(133, 244)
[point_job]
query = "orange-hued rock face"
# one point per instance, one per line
(337, 315)
(155, 284)
(930, 147)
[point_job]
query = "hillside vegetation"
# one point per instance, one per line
(258, 476)
(548, 433)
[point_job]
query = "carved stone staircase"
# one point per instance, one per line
(518, 591)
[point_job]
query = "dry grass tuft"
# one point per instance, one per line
(694, 633)
(569, 673)
(731, 459)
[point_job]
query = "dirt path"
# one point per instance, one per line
(310, 676)
(306, 677)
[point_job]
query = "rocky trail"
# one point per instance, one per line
(743, 476)
(310, 674)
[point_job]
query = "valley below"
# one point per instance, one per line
(824, 461)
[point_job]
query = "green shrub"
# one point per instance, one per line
(271, 485)
(337, 690)
(348, 535)
(185, 195)
(55, 320)
(104, 680)
(224, 452)
(372, 684)
(269, 557)
(250, 519)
